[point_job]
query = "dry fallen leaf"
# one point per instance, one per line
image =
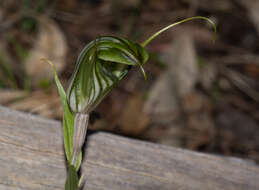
(177, 81)
(40, 103)
(50, 44)
(252, 7)
(7, 96)
(133, 120)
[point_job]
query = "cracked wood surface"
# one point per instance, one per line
(31, 158)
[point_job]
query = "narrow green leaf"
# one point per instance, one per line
(81, 181)
(72, 179)
(68, 131)
(68, 116)
(79, 161)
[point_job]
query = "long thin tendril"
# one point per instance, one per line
(146, 42)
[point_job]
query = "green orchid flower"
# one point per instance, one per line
(100, 66)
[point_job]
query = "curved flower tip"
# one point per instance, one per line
(152, 37)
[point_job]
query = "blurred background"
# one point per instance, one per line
(199, 95)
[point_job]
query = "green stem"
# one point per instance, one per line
(72, 179)
(146, 42)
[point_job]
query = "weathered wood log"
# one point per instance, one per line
(31, 157)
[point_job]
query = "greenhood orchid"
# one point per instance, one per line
(100, 66)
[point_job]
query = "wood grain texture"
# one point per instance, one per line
(31, 158)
